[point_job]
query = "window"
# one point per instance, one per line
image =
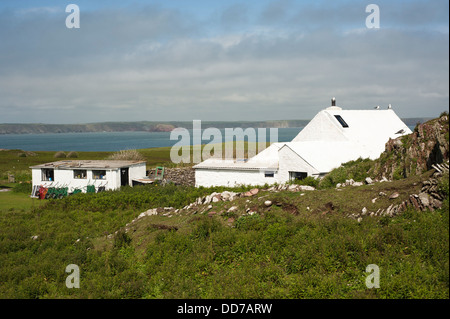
(99, 174)
(297, 175)
(80, 174)
(269, 174)
(341, 120)
(48, 174)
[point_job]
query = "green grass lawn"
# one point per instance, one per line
(11, 200)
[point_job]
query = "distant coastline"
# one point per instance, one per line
(147, 126)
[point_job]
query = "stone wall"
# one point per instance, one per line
(180, 176)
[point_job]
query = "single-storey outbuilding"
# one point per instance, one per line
(79, 174)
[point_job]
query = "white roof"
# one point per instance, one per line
(325, 156)
(327, 142)
(266, 159)
(368, 127)
(91, 164)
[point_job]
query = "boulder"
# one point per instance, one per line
(424, 199)
(394, 195)
(364, 211)
(305, 188)
(251, 192)
(232, 209)
(268, 203)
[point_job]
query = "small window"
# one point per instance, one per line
(269, 174)
(100, 174)
(48, 174)
(297, 175)
(341, 120)
(80, 174)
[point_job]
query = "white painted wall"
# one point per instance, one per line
(231, 178)
(65, 178)
(289, 161)
(136, 171)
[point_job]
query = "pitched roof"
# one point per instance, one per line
(266, 159)
(334, 136)
(325, 156)
(367, 127)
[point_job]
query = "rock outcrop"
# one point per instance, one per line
(415, 153)
(428, 199)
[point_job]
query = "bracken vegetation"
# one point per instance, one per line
(272, 254)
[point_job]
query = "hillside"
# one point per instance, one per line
(283, 241)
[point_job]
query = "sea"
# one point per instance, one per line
(116, 141)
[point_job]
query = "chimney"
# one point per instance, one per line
(333, 101)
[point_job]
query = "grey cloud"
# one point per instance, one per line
(276, 11)
(122, 66)
(234, 16)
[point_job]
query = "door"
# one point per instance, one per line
(124, 176)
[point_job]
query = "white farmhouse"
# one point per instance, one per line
(78, 174)
(334, 136)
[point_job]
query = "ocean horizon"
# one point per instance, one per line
(110, 141)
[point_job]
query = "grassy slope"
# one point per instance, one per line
(286, 251)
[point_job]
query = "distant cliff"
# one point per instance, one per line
(147, 126)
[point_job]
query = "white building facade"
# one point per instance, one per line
(334, 136)
(78, 174)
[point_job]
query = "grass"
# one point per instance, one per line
(276, 253)
(296, 248)
(16, 201)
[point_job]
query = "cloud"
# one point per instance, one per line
(156, 63)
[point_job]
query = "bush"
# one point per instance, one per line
(121, 239)
(72, 155)
(357, 170)
(24, 188)
(127, 155)
(60, 154)
(307, 181)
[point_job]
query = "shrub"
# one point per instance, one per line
(127, 155)
(357, 170)
(308, 181)
(24, 188)
(121, 239)
(60, 154)
(72, 155)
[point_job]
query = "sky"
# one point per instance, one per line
(180, 60)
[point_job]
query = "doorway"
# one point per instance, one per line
(124, 177)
